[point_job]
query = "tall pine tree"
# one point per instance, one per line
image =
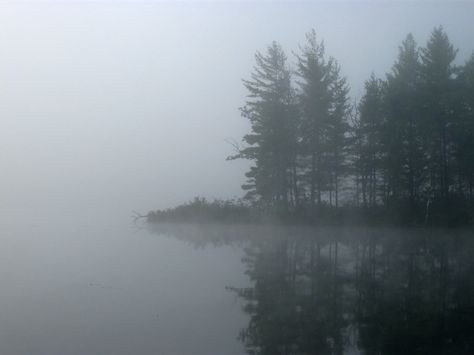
(272, 143)
(315, 78)
(369, 162)
(437, 87)
(405, 161)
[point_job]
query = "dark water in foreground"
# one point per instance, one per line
(183, 289)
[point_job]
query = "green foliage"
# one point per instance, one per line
(405, 150)
(201, 210)
(403, 154)
(439, 106)
(323, 102)
(369, 160)
(403, 131)
(271, 110)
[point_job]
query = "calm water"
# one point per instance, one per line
(182, 289)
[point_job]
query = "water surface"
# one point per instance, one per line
(116, 290)
(203, 289)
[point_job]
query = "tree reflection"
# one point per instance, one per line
(377, 293)
(336, 291)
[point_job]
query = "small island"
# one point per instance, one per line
(402, 154)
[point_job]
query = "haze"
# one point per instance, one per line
(107, 107)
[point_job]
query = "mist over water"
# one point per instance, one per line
(200, 289)
(349, 291)
(109, 290)
(110, 107)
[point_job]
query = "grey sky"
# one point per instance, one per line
(107, 107)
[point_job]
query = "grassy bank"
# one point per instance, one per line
(200, 210)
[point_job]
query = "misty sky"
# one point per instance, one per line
(110, 106)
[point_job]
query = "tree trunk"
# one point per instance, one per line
(313, 178)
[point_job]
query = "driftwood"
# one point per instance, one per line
(136, 216)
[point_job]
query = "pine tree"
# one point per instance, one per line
(465, 131)
(371, 119)
(409, 143)
(338, 129)
(315, 76)
(271, 111)
(402, 132)
(437, 76)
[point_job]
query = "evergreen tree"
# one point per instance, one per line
(338, 130)
(409, 145)
(369, 162)
(271, 145)
(465, 132)
(402, 132)
(315, 97)
(437, 80)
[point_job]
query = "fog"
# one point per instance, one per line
(112, 106)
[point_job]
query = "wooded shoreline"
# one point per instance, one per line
(241, 212)
(402, 155)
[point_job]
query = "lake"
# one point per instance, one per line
(207, 289)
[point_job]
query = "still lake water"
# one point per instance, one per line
(190, 289)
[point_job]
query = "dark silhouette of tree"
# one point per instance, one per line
(405, 163)
(438, 109)
(369, 136)
(315, 98)
(338, 132)
(405, 150)
(465, 130)
(272, 143)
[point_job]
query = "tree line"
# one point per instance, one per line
(405, 148)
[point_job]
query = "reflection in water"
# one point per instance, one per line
(376, 291)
